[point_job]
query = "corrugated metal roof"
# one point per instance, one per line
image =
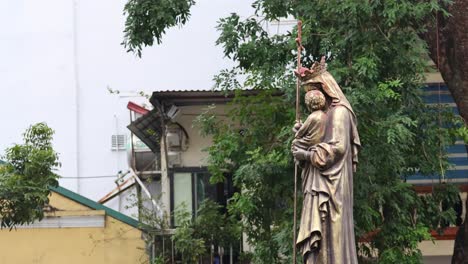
(96, 206)
(438, 94)
(186, 90)
(201, 90)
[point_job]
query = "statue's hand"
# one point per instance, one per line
(296, 127)
(300, 154)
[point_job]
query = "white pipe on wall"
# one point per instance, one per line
(77, 92)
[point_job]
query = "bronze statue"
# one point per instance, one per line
(326, 233)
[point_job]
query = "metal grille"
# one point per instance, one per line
(119, 142)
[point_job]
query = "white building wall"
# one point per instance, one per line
(57, 58)
(196, 154)
(37, 74)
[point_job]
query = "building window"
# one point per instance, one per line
(182, 193)
(192, 186)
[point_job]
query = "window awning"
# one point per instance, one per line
(148, 128)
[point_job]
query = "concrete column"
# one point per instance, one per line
(165, 181)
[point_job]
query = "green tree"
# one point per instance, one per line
(26, 176)
(148, 20)
(377, 56)
(214, 227)
(194, 238)
(187, 244)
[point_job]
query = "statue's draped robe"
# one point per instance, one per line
(326, 234)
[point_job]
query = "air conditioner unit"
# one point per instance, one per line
(174, 138)
(174, 158)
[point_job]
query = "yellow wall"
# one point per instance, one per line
(116, 243)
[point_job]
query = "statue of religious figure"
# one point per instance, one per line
(326, 233)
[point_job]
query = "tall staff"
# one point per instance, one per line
(298, 119)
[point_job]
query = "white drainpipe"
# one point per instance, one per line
(77, 92)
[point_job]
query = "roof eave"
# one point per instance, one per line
(96, 206)
(187, 98)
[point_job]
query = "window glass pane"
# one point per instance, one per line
(182, 191)
(204, 188)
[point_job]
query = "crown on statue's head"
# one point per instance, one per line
(306, 74)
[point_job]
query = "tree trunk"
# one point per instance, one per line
(453, 52)
(460, 249)
(449, 49)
